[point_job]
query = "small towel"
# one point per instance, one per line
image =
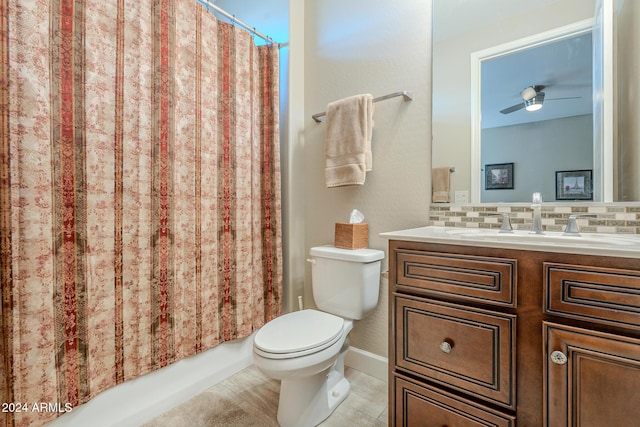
(440, 184)
(348, 140)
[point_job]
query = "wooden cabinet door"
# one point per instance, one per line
(592, 379)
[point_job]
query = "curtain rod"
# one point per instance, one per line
(233, 18)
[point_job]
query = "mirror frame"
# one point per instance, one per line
(603, 143)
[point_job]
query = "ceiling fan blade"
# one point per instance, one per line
(513, 108)
(568, 97)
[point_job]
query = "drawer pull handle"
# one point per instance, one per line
(446, 346)
(559, 358)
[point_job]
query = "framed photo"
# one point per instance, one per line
(574, 185)
(498, 176)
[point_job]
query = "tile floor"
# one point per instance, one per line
(248, 398)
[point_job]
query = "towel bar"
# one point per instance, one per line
(407, 96)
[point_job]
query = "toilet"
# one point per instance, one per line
(305, 349)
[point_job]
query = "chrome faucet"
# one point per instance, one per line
(506, 222)
(572, 224)
(536, 205)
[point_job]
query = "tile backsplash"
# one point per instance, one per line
(621, 218)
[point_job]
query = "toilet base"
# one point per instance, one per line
(307, 401)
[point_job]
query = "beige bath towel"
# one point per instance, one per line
(440, 184)
(347, 145)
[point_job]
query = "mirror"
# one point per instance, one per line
(462, 27)
(534, 96)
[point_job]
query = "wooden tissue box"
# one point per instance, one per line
(351, 236)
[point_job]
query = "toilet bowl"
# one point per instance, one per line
(305, 349)
(311, 370)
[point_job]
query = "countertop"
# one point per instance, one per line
(600, 244)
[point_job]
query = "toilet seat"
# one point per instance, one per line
(298, 334)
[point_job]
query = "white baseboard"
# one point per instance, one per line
(369, 363)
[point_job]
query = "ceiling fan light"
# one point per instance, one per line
(533, 107)
(533, 104)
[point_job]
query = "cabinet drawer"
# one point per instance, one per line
(482, 353)
(465, 277)
(593, 294)
(423, 405)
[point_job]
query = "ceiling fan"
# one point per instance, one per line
(532, 99)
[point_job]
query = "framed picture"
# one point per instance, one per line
(574, 185)
(498, 176)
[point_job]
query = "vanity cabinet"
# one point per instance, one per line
(479, 336)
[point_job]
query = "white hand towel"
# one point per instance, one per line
(348, 140)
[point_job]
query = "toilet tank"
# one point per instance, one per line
(345, 282)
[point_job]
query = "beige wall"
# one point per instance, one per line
(293, 172)
(368, 46)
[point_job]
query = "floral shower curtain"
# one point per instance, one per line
(139, 193)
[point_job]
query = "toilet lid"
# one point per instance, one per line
(299, 331)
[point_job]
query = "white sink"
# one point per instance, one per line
(624, 245)
(468, 231)
(548, 237)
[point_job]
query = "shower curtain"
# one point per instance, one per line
(139, 194)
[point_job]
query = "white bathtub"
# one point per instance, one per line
(137, 401)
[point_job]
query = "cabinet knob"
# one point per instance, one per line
(446, 346)
(558, 357)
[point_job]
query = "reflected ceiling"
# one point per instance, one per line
(563, 67)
